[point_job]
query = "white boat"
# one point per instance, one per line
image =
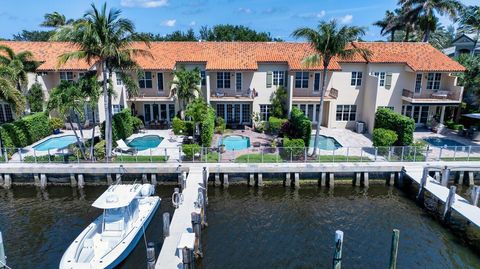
(109, 239)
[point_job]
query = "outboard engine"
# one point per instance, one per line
(147, 190)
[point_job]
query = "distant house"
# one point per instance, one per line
(463, 44)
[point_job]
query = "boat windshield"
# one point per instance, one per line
(114, 219)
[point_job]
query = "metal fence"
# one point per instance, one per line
(254, 155)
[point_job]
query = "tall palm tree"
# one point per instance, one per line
(424, 11)
(329, 40)
(20, 63)
(105, 39)
(386, 25)
(469, 23)
(8, 90)
(186, 85)
(55, 20)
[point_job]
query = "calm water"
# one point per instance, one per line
(278, 228)
(38, 226)
(248, 228)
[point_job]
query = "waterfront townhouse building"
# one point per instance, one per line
(239, 78)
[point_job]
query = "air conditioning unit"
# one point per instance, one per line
(360, 127)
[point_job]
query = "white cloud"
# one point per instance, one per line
(144, 3)
(321, 14)
(193, 23)
(346, 19)
(245, 10)
(318, 15)
(170, 23)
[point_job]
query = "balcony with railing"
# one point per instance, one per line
(450, 95)
(331, 93)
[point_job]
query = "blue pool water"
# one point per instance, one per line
(56, 143)
(145, 142)
(235, 142)
(442, 142)
(325, 142)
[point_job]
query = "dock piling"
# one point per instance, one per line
(188, 258)
(337, 256)
(460, 177)
(323, 179)
(150, 255)
(153, 179)
(288, 180)
(217, 180)
(81, 181)
(166, 224)
(394, 249)
(260, 180)
(251, 180)
(7, 181)
(197, 229)
(448, 203)
(109, 179)
(421, 190)
(225, 180)
(43, 181)
(73, 181)
(144, 178)
(475, 195)
(331, 179)
(36, 180)
(358, 177)
(365, 180)
(445, 176)
(296, 180)
(471, 178)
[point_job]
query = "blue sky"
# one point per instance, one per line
(279, 17)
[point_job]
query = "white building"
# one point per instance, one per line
(238, 78)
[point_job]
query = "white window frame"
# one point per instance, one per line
(238, 87)
(145, 79)
(346, 113)
(163, 82)
(203, 76)
(381, 78)
(319, 82)
(278, 78)
(418, 83)
(434, 79)
(265, 111)
(356, 79)
(118, 79)
(221, 80)
(302, 79)
(64, 76)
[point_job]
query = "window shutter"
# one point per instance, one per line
(388, 80)
(285, 80)
(269, 79)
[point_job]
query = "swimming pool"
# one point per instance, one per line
(325, 142)
(145, 142)
(235, 142)
(56, 143)
(442, 142)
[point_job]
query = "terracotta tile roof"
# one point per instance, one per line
(247, 55)
(418, 56)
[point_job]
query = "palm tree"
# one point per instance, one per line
(105, 39)
(329, 41)
(55, 20)
(424, 11)
(469, 22)
(186, 85)
(8, 89)
(20, 64)
(386, 25)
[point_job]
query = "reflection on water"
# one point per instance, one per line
(38, 226)
(279, 228)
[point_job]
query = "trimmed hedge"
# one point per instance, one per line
(293, 148)
(26, 131)
(207, 128)
(275, 124)
(122, 125)
(299, 126)
(403, 126)
(190, 150)
(383, 137)
(178, 126)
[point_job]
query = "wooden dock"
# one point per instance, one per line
(181, 221)
(461, 205)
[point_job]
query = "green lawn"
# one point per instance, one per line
(341, 158)
(274, 158)
(257, 158)
(461, 159)
(139, 159)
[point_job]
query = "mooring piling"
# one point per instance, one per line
(150, 255)
(358, 177)
(323, 179)
(260, 180)
(217, 180)
(365, 180)
(423, 182)
(337, 256)
(251, 180)
(7, 181)
(394, 249)
(448, 203)
(331, 180)
(166, 224)
(73, 180)
(288, 180)
(188, 258)
(81, 181)
(445, 176)
(3, 258)
(197, 229)
(225, 180)
(296, 180)
(475, 195)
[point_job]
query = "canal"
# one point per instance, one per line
(272, 227)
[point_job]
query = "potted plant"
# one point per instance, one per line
(222, 148)
(56, 124)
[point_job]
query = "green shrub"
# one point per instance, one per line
(190, 150)
(56, 123)
(207, 128)
(189, 127)
(449, 124)
(178, 126)
(299, 126)
(220, 125)
(137, 123)
(122, 125)
(99, 150)
(292, 148)
(26, 131)
(458, 127)
(275, 124)
(403, 126)
(35, 97)
(383, 137)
